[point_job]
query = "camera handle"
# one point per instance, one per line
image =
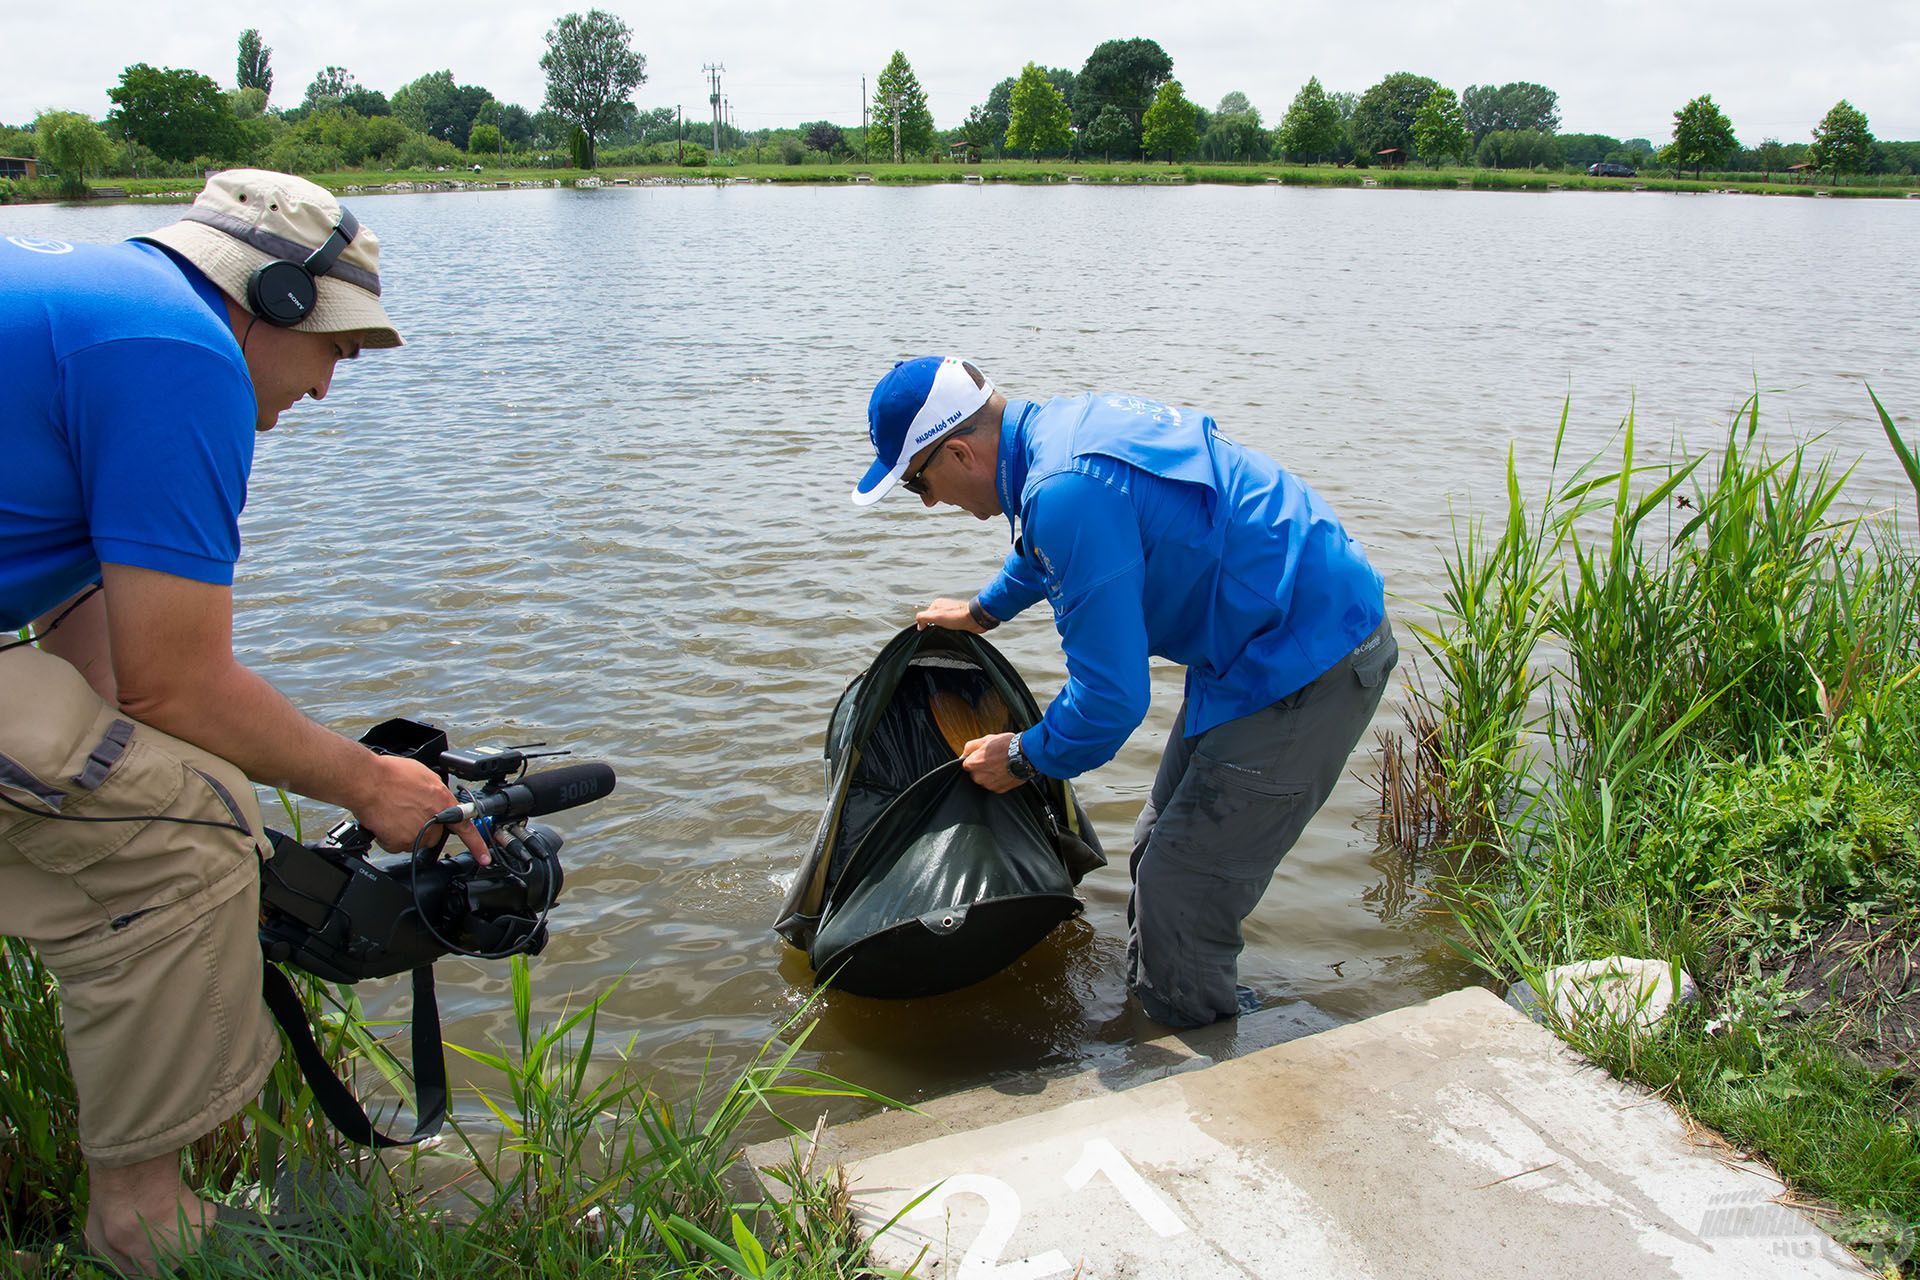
(335, 1099)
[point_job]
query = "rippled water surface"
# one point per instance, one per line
(601, 499)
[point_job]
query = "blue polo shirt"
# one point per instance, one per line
(128, 421)
(1150, 533)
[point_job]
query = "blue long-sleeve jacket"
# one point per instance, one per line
(1151, 534)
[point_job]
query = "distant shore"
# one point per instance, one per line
(1020, 172)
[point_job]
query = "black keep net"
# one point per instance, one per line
(919, 880)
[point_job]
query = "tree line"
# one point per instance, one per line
(1123, 103)
(172, 122)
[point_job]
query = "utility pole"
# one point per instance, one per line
(863, 115)
(713, 70)
(679, 135)
(726, 120)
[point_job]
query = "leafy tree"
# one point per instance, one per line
(653, 124)
(1124, 74)
(515, 125)
(1702, 136)
(368, 102)
(998, 110)
(247, 104)
(436, 106)
(978, 131)
(1895, 157)
(592, 72)
(1842, 142)
(1583, 149)
(829, 139)
(1234, 132)
(1170, 124)
(1440, 130)
(1040, 115)
(483, 138)
(1383, 118)
(1770, 156)
(1518, 107)
(72, 146)
(329, 88)
(898, 97)
(255, 71)
(1109, 132)
(422, 152)
(176, 114)
(1517, 149)
(382, 136)
(1312, 128)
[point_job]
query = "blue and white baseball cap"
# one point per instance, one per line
(915, 404)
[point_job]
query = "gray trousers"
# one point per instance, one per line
(1227, 805)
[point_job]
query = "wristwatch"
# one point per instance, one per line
(1017, 763)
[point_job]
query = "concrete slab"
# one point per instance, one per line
(1451, 1139)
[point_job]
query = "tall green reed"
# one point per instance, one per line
(41, 1174)
(1697, 610)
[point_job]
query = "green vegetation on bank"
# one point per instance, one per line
(355, 182)
(1123, 103)
(1674, 714)
(579, 1171)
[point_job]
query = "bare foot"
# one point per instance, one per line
(152, 1242)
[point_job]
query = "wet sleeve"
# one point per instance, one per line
(162, 438)
(1086, 538)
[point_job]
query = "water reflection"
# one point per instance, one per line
(600, 500)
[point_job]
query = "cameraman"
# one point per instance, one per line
(137, 375)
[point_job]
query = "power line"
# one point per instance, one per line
(712, 70)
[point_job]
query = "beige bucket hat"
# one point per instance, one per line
(246, 217)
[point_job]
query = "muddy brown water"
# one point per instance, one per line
(600, 499)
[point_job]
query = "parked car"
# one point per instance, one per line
(1605, 170)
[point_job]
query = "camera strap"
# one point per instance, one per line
(335, 1099)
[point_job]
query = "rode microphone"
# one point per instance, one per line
(536, 794)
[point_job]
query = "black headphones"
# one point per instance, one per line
(282, 292)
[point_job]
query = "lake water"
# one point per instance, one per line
(600, 499)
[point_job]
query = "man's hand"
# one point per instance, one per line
(985, 760)
(406, 794)
(946, 612)
(173, 665)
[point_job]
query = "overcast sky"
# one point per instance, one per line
(1620, 66)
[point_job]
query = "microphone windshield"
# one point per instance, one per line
(565, 788)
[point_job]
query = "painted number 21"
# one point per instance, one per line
(982, 1260)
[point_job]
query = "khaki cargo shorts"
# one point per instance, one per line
(130, 860)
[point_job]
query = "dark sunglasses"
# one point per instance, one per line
(916, 484)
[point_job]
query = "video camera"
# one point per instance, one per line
(339, 912)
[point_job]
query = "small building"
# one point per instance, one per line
(964, 152)
(19, 167)
(1390, 157)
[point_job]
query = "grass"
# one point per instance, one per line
(1042, 172)
(571, 1170)
(1673, 714)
